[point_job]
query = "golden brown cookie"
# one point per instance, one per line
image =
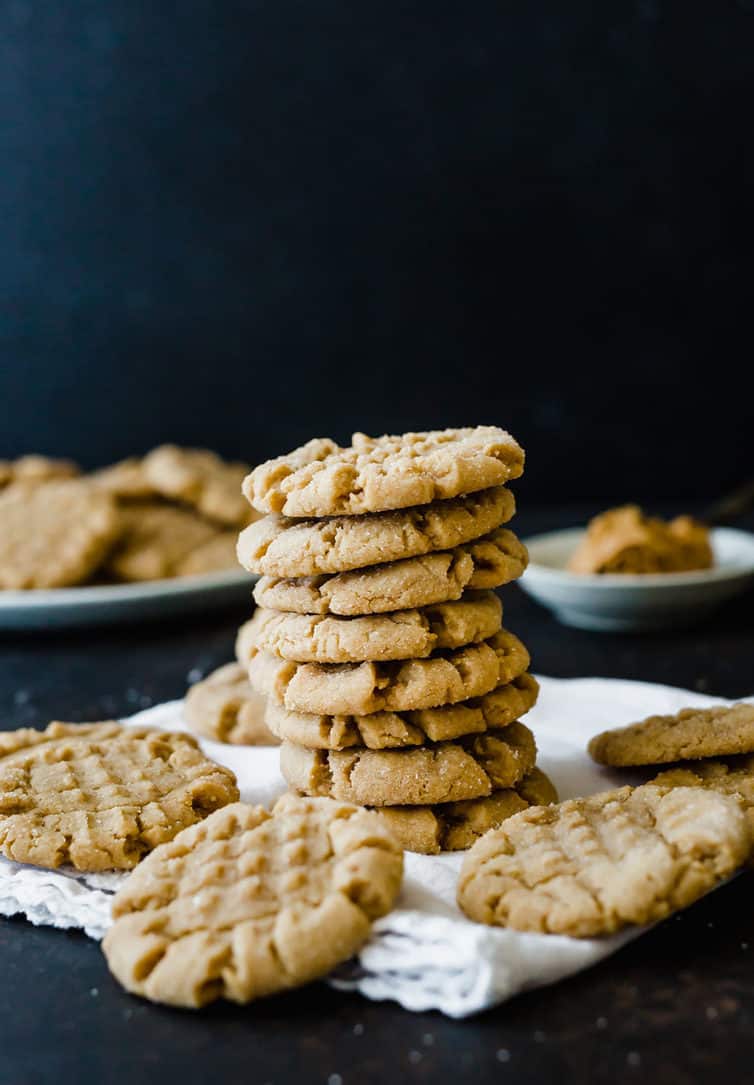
(455, 826)
(624, 540)
(249, 903)
(401, 686)
(223, 706)
(387, 730)
(488, 562)
(379, 473)
(281, 547)
(53, 534)
(126, 480)
(201, 479)
(588, 867)
(690, 734)
(101, 796)
(156, 541)
(437, 773)
(404, 634)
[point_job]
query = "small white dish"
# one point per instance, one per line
(107, 604)
(632, 602)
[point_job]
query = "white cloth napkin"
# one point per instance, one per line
(425, 954)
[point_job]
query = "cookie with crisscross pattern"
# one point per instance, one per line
(100, 796)
(249, 903)
(590, 866)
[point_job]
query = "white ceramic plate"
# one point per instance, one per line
(62, 608)
(631, 602)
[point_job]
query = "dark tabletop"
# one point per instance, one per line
(676, 1006)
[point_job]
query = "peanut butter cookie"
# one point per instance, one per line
(249, 903)
(387, 730)
(488, 562)
(101, 796)
(437, 773)
(281, 547)
(53, 534)
(378, 473)
(401, 686)
(589, 867)
(691, 734)
(404, 634)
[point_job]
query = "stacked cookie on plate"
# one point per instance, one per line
(378, 639)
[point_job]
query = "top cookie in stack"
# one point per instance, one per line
(377, 639)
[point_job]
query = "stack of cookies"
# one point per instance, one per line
(378, 640)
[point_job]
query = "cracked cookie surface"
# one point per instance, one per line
(282, 547)
(589, 867)
(378, 473)
(224, 707)
(488, 562)
(394, 730)
(690, 734)
(100, 796)
(249, 903)
(401, 686)
(456, 826)
(403, 634)
(53, 534)
(438, 773)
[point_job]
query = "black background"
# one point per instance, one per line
(243, 224)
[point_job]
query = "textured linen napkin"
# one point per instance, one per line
(425, 954)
